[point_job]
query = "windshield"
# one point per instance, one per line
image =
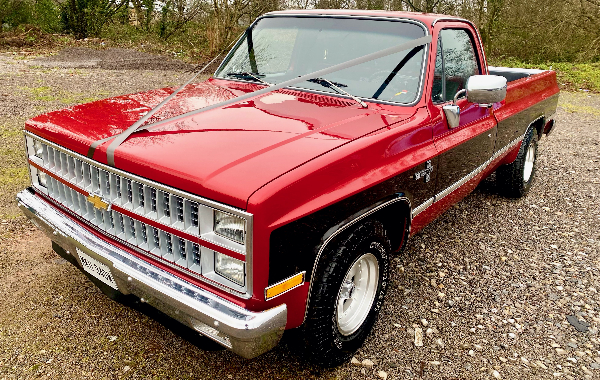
(281, 48)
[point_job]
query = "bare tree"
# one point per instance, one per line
(229, 17)
(87, 17)
(427, 6)
(175, 14)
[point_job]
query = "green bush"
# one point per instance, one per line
(84, 18)
(15, 12)
(572, 76)
(42, 13)
(189, 45)
(47, 16)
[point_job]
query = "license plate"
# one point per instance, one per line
(97, 269)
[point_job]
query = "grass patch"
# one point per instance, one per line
(48, 94)
(40, 93)
(35, 367)
(14, 175)
(581, 109)
(579, 102)
(15, 216)
(6, 132)
(39, 90)
(570, 76)
(81, 99)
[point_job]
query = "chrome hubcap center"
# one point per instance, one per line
(347, 289)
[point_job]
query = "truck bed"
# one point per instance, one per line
(512, 74)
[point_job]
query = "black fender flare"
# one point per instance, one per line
(378, 210)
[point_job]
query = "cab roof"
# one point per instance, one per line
(426, 18)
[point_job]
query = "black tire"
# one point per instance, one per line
(324, 343)
(512, 179)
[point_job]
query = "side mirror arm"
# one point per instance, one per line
(458, 95)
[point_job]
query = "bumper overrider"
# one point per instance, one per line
(246, 333)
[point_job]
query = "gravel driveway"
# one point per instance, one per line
(492, 284)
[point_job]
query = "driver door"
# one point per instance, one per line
(464, 148)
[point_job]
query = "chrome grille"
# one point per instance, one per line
(166, 210)
(140, 198)
(161, 243)
(129, 191)
(144, 231)
(179, 209)
(194, 214)
(118, 187)
(152, 199)
(196, 254)
(156, 238)
(134, 200)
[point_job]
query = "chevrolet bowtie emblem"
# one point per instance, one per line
(98, 202)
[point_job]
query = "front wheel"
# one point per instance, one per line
(515, 179)
(348, 292)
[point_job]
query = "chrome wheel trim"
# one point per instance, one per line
(357, 293)
(529, 161)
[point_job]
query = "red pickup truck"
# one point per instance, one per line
(271, 196)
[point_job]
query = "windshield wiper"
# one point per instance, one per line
(247, 75)
(336, 86)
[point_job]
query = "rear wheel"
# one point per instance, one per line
(515, 179)
(347, 294)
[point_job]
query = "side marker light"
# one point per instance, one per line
(285, 285)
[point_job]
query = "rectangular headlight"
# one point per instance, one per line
(38, 177)
(230, 226)
(37, 148)
(230, 268)
(41, 178)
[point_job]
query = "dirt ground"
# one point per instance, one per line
(108, 59)
(490, 283)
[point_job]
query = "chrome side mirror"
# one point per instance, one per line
(481, 89)
(452, 112)
(486, 89)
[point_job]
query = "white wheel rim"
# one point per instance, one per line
(529, 161)
(357, 293)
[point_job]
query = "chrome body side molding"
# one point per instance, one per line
(478, 170)
(417, 210)
(439, 196)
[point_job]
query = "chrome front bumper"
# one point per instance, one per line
(246, 333)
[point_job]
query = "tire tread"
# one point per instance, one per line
(509, 177)
(318, 329)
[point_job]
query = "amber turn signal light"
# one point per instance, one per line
(284, 286)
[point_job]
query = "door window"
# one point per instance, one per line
(438, 76)
(455, 62)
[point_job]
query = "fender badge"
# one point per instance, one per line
(98, 202)
(425, 173)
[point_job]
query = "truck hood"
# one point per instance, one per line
(224, 154)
